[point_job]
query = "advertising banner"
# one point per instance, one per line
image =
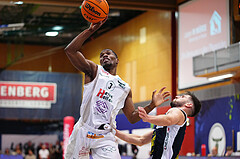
(39, 95)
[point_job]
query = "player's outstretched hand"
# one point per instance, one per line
(160, 97)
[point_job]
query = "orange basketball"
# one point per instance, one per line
(94, 10)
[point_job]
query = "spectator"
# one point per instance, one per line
(38, 148)
(229, 151)
(122, 149)
(59, 149)
(52, 151)
(7, 151)
(214, 152)
(27, 146)
(18, 151)
(43, 152)
(7, 154)
(134, 151)
(30, 155)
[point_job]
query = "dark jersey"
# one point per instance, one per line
(167, 140)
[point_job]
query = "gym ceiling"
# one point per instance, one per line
(33, 18)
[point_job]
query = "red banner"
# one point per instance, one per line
(27, 94)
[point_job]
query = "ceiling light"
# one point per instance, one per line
(221, 77)
(57, 28)
(18, 2)
(51, 33)
(114, 14)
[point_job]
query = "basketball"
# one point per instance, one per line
(94, 10)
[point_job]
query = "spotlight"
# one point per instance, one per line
(51, 33)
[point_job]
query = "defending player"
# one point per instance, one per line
(168, 136)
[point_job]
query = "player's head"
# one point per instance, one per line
(108, 59)
(188, 100)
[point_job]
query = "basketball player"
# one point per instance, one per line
(169, 133)
(105, 93)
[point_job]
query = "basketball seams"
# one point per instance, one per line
(106, 4)
(98, 6)
(92, 14)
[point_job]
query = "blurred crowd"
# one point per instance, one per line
(30, 151)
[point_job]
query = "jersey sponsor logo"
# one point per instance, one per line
(83, 152)
(101, 106)
(109, 149)
(121, 84)
(105, 95)
(166, 139)
(94, 136)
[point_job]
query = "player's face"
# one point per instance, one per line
(180, 100)
(108, 59)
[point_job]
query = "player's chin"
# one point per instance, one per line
(173, 104)
(106, 65)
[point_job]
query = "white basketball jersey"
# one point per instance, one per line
(102, 99)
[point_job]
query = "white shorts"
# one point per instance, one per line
(103, 146)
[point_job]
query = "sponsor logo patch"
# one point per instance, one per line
(121, 84)
(94, 136)
(105, 95)
(109, 149)
(166, 139)
(83, 152)
(101, 106)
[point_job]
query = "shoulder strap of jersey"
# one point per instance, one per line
(185, 115)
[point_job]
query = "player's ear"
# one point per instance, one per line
(188, 105)
(117, 61)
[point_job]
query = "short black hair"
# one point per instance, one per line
(197, 104)
(112, 52)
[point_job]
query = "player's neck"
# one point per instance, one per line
(113, 72)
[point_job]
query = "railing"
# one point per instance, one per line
(218, 60)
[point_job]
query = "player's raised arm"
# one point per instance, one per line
(76, 57)
(173, 117)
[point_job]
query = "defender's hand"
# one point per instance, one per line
(160, 97)
(142, 114)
